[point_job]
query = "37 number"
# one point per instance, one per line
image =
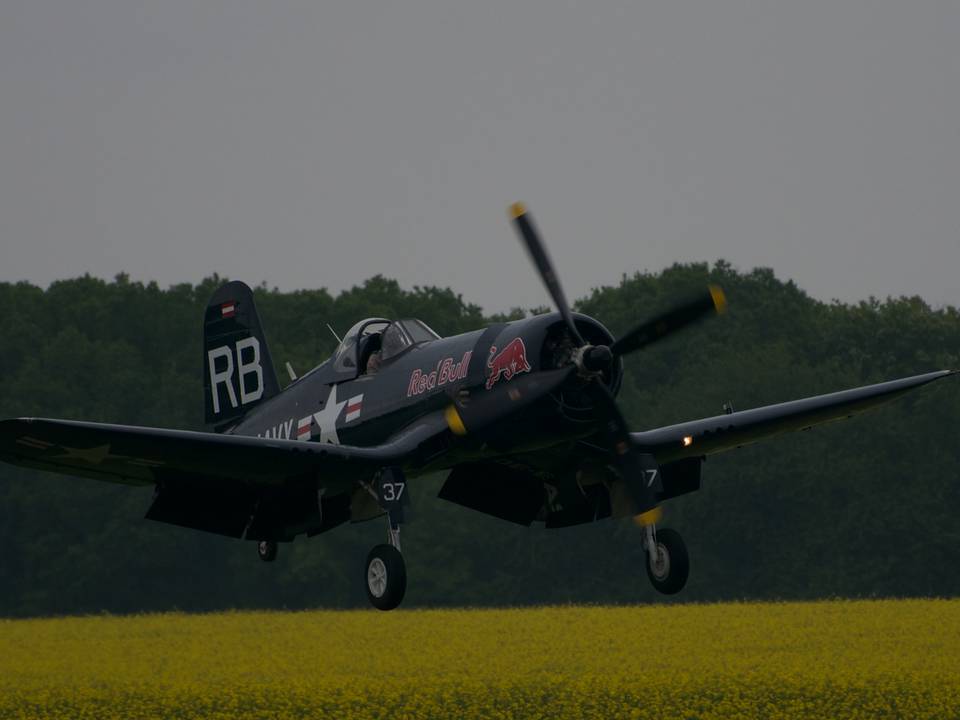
(393, 490)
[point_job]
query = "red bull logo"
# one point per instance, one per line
(510, 361)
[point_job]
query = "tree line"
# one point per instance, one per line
(866, 507)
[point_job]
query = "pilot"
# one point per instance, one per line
(370, 353)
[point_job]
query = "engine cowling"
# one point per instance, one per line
(559, 350)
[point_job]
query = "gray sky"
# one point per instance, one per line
(314, 144)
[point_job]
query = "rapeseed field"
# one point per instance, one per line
(844, 659)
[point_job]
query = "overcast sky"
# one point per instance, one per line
(314, 144)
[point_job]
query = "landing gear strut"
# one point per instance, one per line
(668, 564)
(386, 571)
(267, 550)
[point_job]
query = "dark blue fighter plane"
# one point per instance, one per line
(522, 416)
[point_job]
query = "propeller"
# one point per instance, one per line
(538, 254)
(696, 308)
(591, 360)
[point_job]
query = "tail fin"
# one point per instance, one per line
(238, 372)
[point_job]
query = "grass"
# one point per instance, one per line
(841, 659)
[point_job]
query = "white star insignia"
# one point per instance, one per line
(327, 418)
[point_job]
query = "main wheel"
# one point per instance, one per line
(386, 577)
(267, 550)
(672, 567)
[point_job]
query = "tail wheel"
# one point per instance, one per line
(386, 577)
(267, 550)
(669, 570)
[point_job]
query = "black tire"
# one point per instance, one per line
(671, 575)
(385, 577)
(267, 550)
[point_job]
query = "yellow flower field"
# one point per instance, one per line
(843, 659)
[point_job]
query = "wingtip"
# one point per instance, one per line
(926, 378)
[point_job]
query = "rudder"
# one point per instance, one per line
(238, 371)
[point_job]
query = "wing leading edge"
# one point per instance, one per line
(726, 432)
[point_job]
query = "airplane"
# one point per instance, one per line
(522, 416)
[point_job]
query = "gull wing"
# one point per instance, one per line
(136, 455)
(726, 432)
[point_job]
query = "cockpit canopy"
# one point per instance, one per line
(389, 338)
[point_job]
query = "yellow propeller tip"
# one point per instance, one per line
(719, 299)
(517, 209)
(454, 421)
(650, 517)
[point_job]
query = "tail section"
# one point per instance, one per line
(238, 371)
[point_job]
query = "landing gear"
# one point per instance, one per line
(386, 573)
(267, 550)
(668, 564)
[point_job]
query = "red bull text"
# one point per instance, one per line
(447, 371)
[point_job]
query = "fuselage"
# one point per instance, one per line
(371, 407)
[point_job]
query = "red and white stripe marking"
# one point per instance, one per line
(228, 309)
(354, 405)
(304, 426)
